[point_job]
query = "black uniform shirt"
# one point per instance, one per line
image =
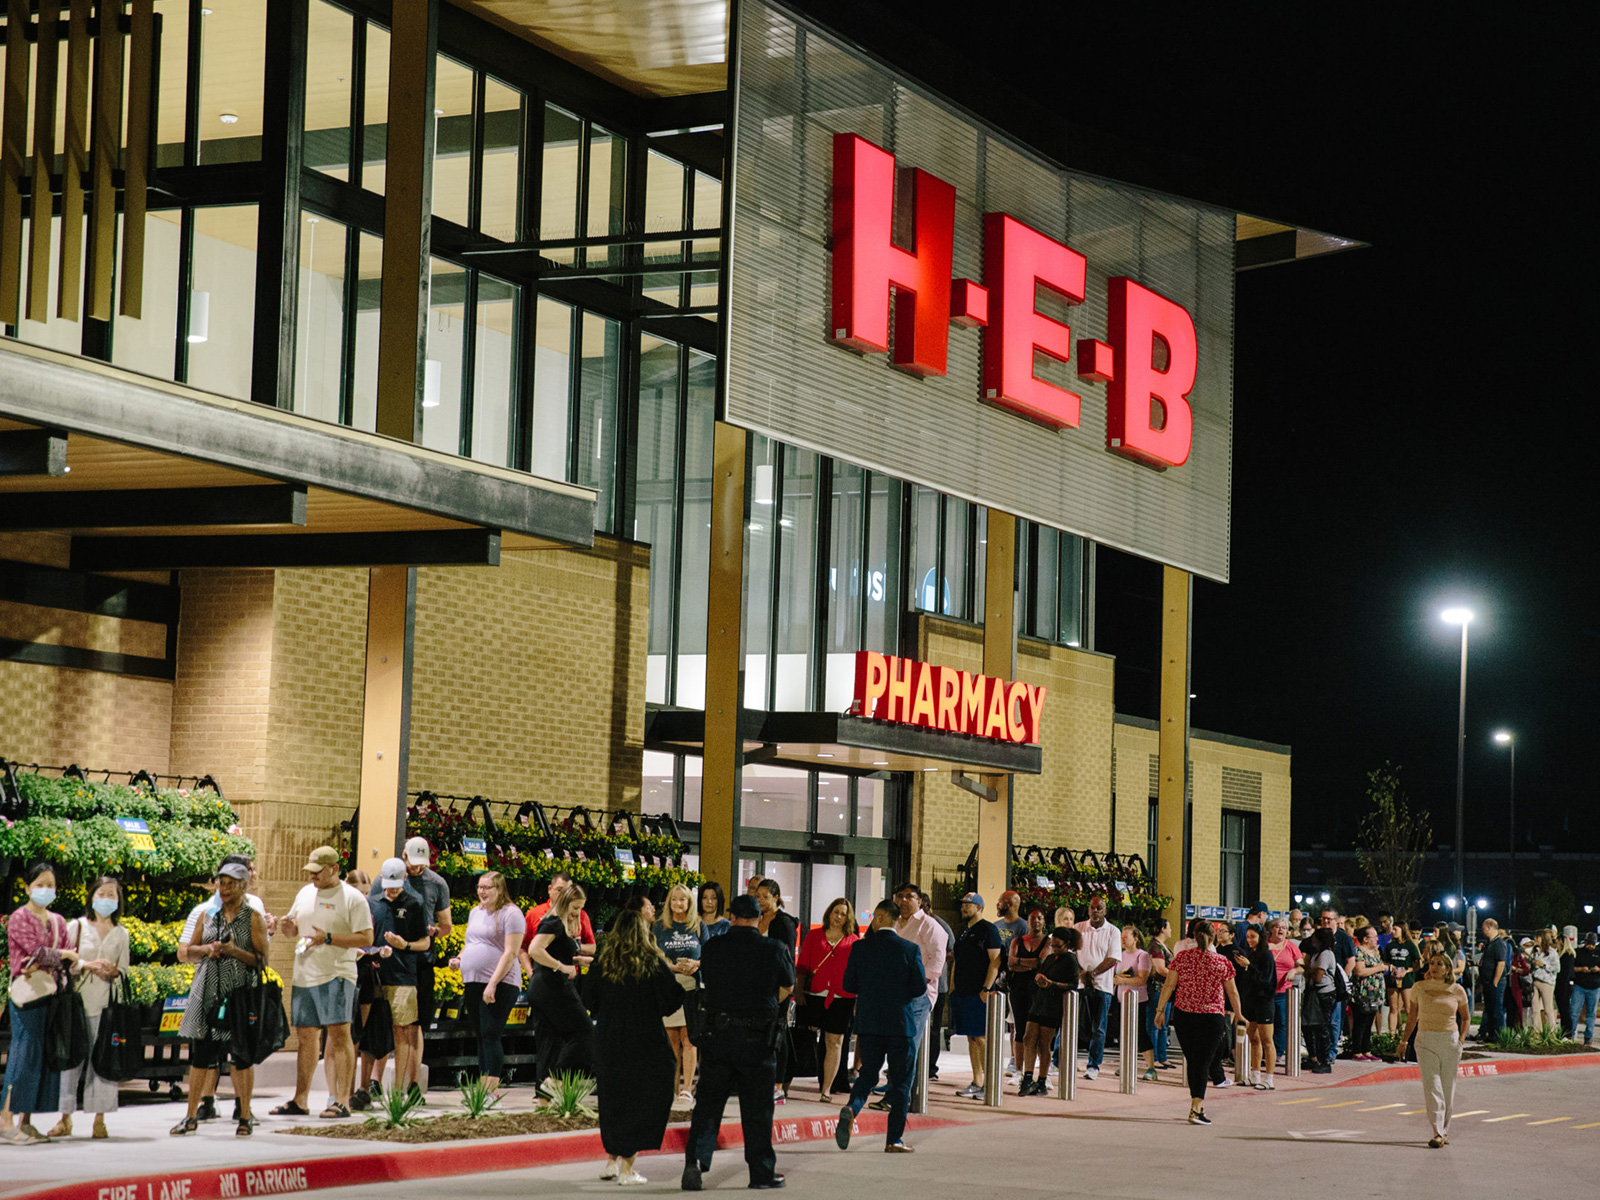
(742, 972)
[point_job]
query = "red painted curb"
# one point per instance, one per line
(427, 1162)
(1469, 1070)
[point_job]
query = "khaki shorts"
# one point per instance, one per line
(402, 1004)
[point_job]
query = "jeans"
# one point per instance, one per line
(1494, 1010)
(1158, 1037)
(936, 1031)
(1438, 1055)
(1099, 1012)
(1335, 1029)
(491, 1021)
(920, 1008)
(901, 1055)
(1584, 1001)
(1280, 1023)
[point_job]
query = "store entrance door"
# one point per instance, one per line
(811, 882)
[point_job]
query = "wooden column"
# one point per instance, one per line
(999, 662)
(719, 785)
(408, 211)
(386, 715)
(1172, 792)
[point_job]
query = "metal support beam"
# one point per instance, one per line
(432, 547)
(968, 784)
(719, 790)
(407, 220)
(268, 504)
(999, 662)
(1172, 790)
(386, 715)
(33, 452)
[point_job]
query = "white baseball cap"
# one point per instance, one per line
(394, 873)
(418, 851)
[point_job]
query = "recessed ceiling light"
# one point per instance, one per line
(884, 763)
(824, 756)
(229, 118)
(205, 12)
(930, 768)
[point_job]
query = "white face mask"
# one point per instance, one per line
(44, 897)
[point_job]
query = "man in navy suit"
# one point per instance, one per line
(885, 973)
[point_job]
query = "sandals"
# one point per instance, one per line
(187, 1125)
(1435, 1142)
(100, 1132)
(290, 1109)
(20, 1137)
(246, 1127)
(334, 1112)
(61, 1129)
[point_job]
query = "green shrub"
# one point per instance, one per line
(395, 1107)
(569, 1095)
(477, 1097)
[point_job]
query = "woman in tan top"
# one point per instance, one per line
(1437, 1016)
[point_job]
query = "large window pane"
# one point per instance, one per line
(980, 566)
(699, 428)
(608, 160)
(225, 274)
(775, 798)
(663, 197)
(870, 799)
(57, 333)
(883, 565)
(364, 375)
(655, 791)
(1045, 581)
(500, 188)
(441, 397)
(492, 370)
(171, 101)
(655, 519)
(558, 196)
(320, 325)
(955, 557)
(846, 579)
(596, 439)
(833, 806)
(827, 885)
(758, 569)
(232, 76)
(375, 107)
(327, 125)
(452, 140)
(796, 580)
(924, 581)
(692, 766)
(1070, 597)
(149, 345)
(552, 389)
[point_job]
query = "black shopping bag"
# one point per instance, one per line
(257, 1026)
(66, 1039)
(377, 1031)
(119, 1046)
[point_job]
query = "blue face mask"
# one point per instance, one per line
(105, 905)
(44, 897)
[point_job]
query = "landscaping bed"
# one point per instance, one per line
(458, 1127)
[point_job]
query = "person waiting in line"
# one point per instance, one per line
(562, 1030)
(103, 954)
(39, 947)
(1317, 1004)
(491, 976)
(1403, 956)
(713, 908)
(1160, 955)
(1286, 958)
(1494, 965)
(1023, 957)
(827, 1006)
(400, 922)
(1436, 1021)
(1200, 984)
(1568, 951)
(1132, 978)
(977, 959)
(234, 941)
(936, 1024)
(917, 924)
(1256, 978)
(782, 928)
(634, 992)
(1099, 954)
(433, 894)
(1057, 974)
(1009, 924)
(1585, 987)
(678, 934)
(1367, 985)
(1545, 961)
(885, 974)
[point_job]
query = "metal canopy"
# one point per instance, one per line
(229, 482)
(821, 741)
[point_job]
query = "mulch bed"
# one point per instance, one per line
(456, 1127)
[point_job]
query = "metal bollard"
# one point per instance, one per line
(1294, 1048)
(1241, 1057)
(1130, 1041)
(994, 1051)
(919, 1081)
(1067, 1074)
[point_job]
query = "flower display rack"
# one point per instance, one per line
(1050, 877)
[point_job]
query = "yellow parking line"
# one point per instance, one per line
(1307, 1100)
(1345, 1104)
(1379, 1108)
(1477, 1112)
(1411, 1112)
(1550, 1121)
(1591, 1125)
(1511, 1117)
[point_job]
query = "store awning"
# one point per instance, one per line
(148, 475)
(821, 741)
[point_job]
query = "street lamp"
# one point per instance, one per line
(1504, 737)
(1450, 903)
(1463, 618)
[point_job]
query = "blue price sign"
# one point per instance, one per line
(477, 852)
(625, 858)
(1190, 912)
(138, 833)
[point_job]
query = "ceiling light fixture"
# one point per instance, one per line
(199, 317)
(229, 118)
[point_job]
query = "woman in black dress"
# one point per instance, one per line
(1256, 976)
(781, 927)
(562, 1030)
(633, 990)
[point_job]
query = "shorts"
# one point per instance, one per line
(208, 1054)
(968, 1015)
(828, 1018)
(331, 1003)
(402, 1005)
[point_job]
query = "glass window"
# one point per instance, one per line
(1069, 628)
(148, 345)
(558, 193)
(441, 394)
(1044, 578)
(552, 389)
(608, 161)
(883, 564)
(452, 140)
(224, 289)
(691, 787)
(758, 569)
(695, 535)
(328, 87)
(797, 540)
(596, 439)
(493, 370)
(500, 195)
(232, 79)
(364, 373)
(58, 334)
(827, 885)
(833, 808)
(707, 209)
(172, 96)
(656, 511)
(847, 513)
(775, 798)
(869, 890)
(925, 549)
(663, 197)
(375, 111)
(319, 337)
(871, 796)
(956, 514)
(980, 566)
(655, 791)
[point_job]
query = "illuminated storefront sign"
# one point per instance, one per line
(908, 692)
(1148, 418)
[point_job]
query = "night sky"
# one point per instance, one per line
(1414, 422)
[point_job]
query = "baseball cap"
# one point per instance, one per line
(322, 856)
(1259, 906)
(744, 907)
(394, 873)
(972, 898)
(233, 870)
(418, 851)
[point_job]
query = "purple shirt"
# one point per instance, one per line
(486, 942)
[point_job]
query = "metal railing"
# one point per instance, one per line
(919, 1081)
(1067, 1074)
(1294, 1043)
(1241, 1056)
(994, 1051)
(1129, 1037)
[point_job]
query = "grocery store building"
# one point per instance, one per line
(508, 400)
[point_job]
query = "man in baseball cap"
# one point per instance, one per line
(977, 963)
(1008, 921)
(400, 925)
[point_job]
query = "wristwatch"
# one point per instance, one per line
(327, 939)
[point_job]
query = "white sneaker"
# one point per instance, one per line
(611, 1170)
(1092, 1073)
(1223, 1084)
(1012, 1068)
(971, 1091)
(631, 1177)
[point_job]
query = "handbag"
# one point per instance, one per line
(67, 1044)
(31, 989)
(256, 1024)
(119, 1046)
(377, 1031)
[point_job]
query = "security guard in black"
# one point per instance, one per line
(745, 976)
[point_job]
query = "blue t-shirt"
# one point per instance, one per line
(1497, 951)
(677, 941)
(710, 929)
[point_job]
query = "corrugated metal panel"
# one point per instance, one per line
(796, 88)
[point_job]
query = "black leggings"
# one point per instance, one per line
(1361, 1030)
(1201, 1035)
(491, 1019)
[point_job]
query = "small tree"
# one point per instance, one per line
(1390, 845)
(1553, 904)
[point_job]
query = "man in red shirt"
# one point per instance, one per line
(558, 885)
